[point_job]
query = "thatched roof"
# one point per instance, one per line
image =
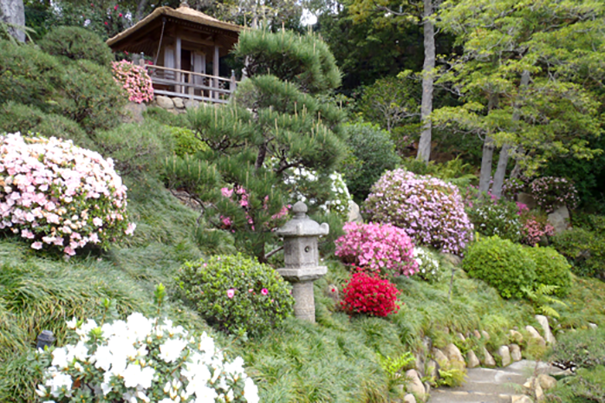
(182, 15)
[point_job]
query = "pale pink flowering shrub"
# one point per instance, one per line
(241, 197)
(534, 229)
(55, 194)
(551, 192)
(378, 248)
(134, 79)
(428, 209)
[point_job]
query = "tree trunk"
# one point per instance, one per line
(488, 152)
(504, 153)
(424, 145)
(138, 15)
(13, 12)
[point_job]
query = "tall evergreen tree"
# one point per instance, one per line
(273, 123)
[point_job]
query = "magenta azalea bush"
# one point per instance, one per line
(551, 192)
(57, 195)
(134, 79)
(378, 248)
(428, 209)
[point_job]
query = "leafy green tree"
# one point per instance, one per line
(526, 78)
(270, 126)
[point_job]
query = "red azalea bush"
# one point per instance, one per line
(377, 248)
(369, 294)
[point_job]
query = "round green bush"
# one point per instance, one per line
(585, 250)
(77, 44)
(504, 265)
(551, 269)
(236, 295)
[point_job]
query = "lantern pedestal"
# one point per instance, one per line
(301, 259)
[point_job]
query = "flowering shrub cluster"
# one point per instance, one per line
(381, 248)
(535, 227)
(551, 192)
(55, 194)
(369, 294)
(500, 217)
(300, 180)
(429, 210)
(241, 197)
(428, 266)
(236, 295)
(142, 360)
(134, 79)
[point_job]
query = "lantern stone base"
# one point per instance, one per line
(302, 289)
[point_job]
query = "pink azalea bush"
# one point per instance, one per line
(551, 192)
(134, 79)
(241, 197)
(57, 195)
(378, 248)
(428, 209)
(535, 228)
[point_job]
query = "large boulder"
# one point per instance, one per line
(535, 335)
(454, 355)
(414, 384)
(504, 354)
(543, 321)
(559, 219)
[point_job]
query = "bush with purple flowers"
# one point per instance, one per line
(428, 209)
(380, 248)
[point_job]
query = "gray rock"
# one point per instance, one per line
(133, 112)
(164, 102)
(487, 358)
(520, 399)
(454, 355)
(461, 337)
(191, 104)
(515, 352)
(432, 369)
(534, 388)
(441, 358)
(543, 321)
(178, 103)
(354, 215)
(535, 335)
(559, 219)
(592, 325)
(546, 382)
(13, 12)
(409, 398)
(515, 336)
(485, 334)
(451, 258)
(477, 334)
(527, 199)
(471, 359)
(504, 354)
(414, 384)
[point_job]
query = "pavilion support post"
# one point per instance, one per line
(215, 68)
(177, 64)
(232, 83)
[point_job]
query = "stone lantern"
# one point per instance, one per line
(302, 259)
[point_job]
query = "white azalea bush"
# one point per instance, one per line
(428, 265)
(142, 360)
(57, 195)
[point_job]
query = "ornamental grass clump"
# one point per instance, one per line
(134, 79)
(141, 360)
(236, 295)
(57, 195)
(367, 293)
(380, 248)
(428, 209)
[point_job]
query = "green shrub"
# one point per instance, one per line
(371, 153)
(551, 269)
(584, 249)
(584, 348)
(22, 118)
(496, 218)
(185, 142)
(77, 44)
(586, 386)
(502, 264)
(235, 294)
(136, 147)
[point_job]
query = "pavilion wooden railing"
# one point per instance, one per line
(191, 85)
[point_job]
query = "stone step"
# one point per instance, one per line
(449, 396)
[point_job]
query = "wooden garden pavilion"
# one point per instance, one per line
(182, 43)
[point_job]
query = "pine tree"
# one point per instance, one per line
(273, 123)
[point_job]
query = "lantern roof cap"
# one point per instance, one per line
(301, 225)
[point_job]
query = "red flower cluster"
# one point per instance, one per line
(369, 294)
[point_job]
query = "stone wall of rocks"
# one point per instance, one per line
(174, 105)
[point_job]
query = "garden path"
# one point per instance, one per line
(487, 385)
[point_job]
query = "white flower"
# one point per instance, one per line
(139, 325)
(171, 350)
(251, 391)
(72, 324)
(135, 376)
(60, 382)
(59, 357)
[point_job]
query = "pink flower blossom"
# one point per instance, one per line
(264, 291)
(230, 293)
(37, 245)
